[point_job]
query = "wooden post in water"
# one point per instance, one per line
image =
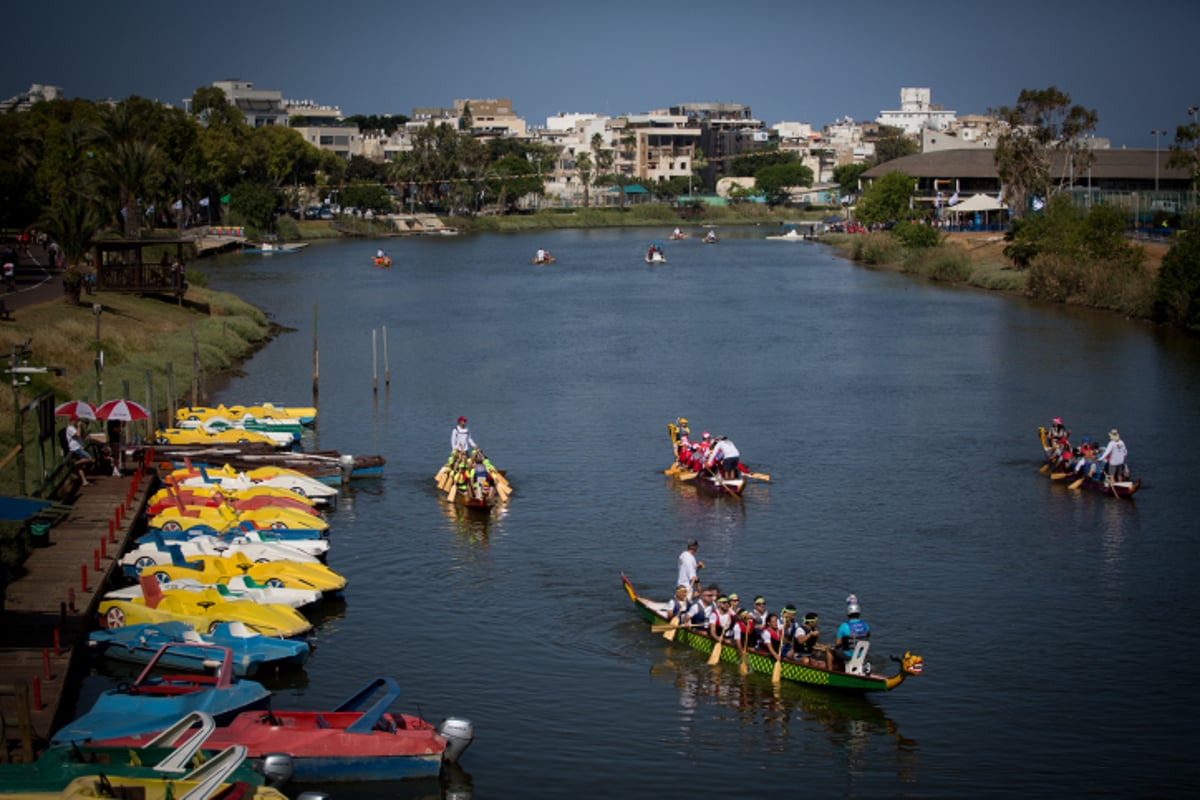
(387, 372)
(374, 365)
(316, 357)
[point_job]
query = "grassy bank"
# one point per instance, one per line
(977, 259)
(141, 338)
(643, 215)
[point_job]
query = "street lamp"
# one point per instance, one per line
(1195, 112)
(1157, 133)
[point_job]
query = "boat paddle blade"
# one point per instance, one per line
(715, 656)
(1076, 484)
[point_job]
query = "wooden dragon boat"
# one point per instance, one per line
(455, 479)
(655, 613)
(1096, 482)
(707, 481)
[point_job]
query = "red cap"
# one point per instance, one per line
(462, 419)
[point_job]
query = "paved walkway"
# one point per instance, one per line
(48, 611)
(36, 282)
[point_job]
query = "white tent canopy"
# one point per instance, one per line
(979, 202)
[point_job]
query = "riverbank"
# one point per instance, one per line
(969, 258)
(149, 347)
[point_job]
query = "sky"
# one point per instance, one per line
(789, 60)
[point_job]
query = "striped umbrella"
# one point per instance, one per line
(76, 409)
(125, 410)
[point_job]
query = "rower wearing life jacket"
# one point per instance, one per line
(851, 632)
(481, 482)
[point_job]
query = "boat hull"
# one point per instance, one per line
(1120, 489)
(137, 644)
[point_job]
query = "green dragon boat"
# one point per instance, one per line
(655, 613)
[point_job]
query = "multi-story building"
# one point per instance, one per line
(916, 113)
(490, 119)
(25, 100)
(259, 106)
(727, 130)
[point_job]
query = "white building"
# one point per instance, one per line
(259, 106)
(916, 113)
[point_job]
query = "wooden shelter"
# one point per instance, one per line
(120, 267)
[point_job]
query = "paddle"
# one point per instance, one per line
(715, 656)
(777, 672)
(743, 667)
(685, 476)
(1044, 468)
(674, 625)
(1076, 484)
(759, 476)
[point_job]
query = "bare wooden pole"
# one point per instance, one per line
(195, 369)
(387, 372)
(153, 421)
(374, 365)
(171, 394)
(316, 357)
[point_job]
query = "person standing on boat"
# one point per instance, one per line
(1114, 456)
(725, 457)
(854, 630)
(689, 566)
(460, 437)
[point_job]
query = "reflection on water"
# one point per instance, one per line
(784, 713)
(453, 784)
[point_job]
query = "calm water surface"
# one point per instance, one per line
(897, 419)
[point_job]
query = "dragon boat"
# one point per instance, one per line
(655, 613)
(1091, 477)
(456, 479)
(708, 481)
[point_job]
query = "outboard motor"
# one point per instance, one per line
(458, 733)
(277, 769)
(346, 464)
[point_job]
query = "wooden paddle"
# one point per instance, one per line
(503, 491)
(743, 667)
(758, 476)
(663, 627)
(1044, 468)
(453, 492)
(715, 656)
(1077, 484)
(777, 672)
(672, 629)
(685, 476)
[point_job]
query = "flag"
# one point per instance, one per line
(937, 200)
(204, 202)
(954, 198)
(224, 198)
(150, 210)
(1038, 204)
(177, 205)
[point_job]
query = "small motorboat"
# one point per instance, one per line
(273, 247)
(352, 742)
(792, 235)
(153, 702)
(252, 652)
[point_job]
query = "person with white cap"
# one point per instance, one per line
(689, 566)
(460, 437)
(1114, 456)
(851, 632)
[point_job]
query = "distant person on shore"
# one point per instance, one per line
(10, 269)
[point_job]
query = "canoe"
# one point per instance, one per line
(1078, 480)
(352, 742)
(252, 652)
(536, 260)
(655, 613)
(153, 702)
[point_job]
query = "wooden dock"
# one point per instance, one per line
(48, 611)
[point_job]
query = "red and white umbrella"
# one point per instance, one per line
(125, 410)
(76, 409)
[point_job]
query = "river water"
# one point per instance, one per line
(897, 419)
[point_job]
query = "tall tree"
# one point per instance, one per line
(1043, 121)
(583, 166)
(886, 199)
(892, 143)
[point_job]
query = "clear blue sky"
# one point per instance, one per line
(794, 60)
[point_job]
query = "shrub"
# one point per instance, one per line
(1177, 288)
(876, 248)
(912, 235)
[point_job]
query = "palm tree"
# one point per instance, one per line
(583, 165)
(131, 169)
(72, 220)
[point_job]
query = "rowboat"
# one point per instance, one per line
(547, 260)
(352, 742)
(252, 652)
(1089, 477)
(153, 701)
(655, 613)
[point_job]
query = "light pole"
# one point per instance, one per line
(1157, 133)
